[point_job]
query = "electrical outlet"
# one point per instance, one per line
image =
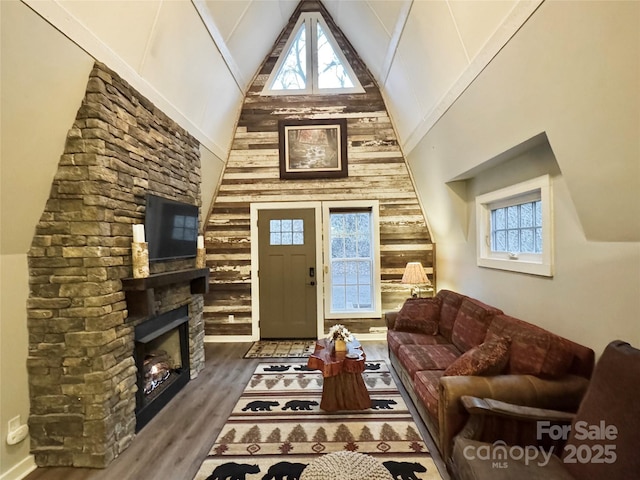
(17, 431)
(18, 435)
(14, 424)
(232, 318)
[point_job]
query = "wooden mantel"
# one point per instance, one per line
(140, 291)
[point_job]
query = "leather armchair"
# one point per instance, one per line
(529, 390)
(602, 437)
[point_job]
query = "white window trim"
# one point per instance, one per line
(376, 311)
(310, 20)
(534, 264)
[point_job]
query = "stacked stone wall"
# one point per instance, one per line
(82, 373)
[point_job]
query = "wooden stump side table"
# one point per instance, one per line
(343, 386)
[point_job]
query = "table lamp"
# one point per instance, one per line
(414, 275)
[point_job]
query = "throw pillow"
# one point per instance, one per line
(488, 358)
(419, 315)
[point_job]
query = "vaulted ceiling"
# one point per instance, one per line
(195, 58)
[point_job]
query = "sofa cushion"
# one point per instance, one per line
(426, 385)
(396, 339)
(449, 305)
(419, 315)
(533, 351)
(472, 322)
(427, 357)
(488, 358)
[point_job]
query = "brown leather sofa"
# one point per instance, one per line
(452, 345)
(601, 441)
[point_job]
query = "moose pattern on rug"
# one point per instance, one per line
(277, 428)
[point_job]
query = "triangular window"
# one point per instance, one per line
(292, 74)
(312, 62)
(331, 71)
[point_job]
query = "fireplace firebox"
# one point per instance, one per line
(162, 360)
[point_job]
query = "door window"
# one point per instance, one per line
(286, 231)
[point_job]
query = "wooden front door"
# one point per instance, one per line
(287, 273)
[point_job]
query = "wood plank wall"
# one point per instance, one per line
(377, 170)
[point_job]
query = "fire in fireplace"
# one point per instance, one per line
(157, 369)
(162, 359)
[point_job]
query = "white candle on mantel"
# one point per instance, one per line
(138, 233)
(200, 241)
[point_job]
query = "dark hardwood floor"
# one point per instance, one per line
(174, 443)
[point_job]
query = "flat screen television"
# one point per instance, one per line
(171, 228)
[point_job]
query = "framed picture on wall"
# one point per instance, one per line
(314, 148)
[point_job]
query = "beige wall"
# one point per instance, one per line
(44, 77)
(572, 72)
(163, 49)
(14, 393)
(211, 167)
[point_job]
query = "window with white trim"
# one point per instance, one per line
(515, 226)
(352, 244)
(312, 62)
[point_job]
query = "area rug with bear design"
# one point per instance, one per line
(277, 428)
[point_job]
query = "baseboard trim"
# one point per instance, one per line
(371, 336)
(249, 338)
(20, 470)
(227, 338)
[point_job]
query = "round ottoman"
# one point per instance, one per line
(345, 466)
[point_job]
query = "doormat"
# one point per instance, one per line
(277, 428)
(281, 349)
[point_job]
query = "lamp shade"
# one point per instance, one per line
(414, 274)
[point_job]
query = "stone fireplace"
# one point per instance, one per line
(84, 309)
(163, 341)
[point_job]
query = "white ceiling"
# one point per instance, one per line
(196, 58)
